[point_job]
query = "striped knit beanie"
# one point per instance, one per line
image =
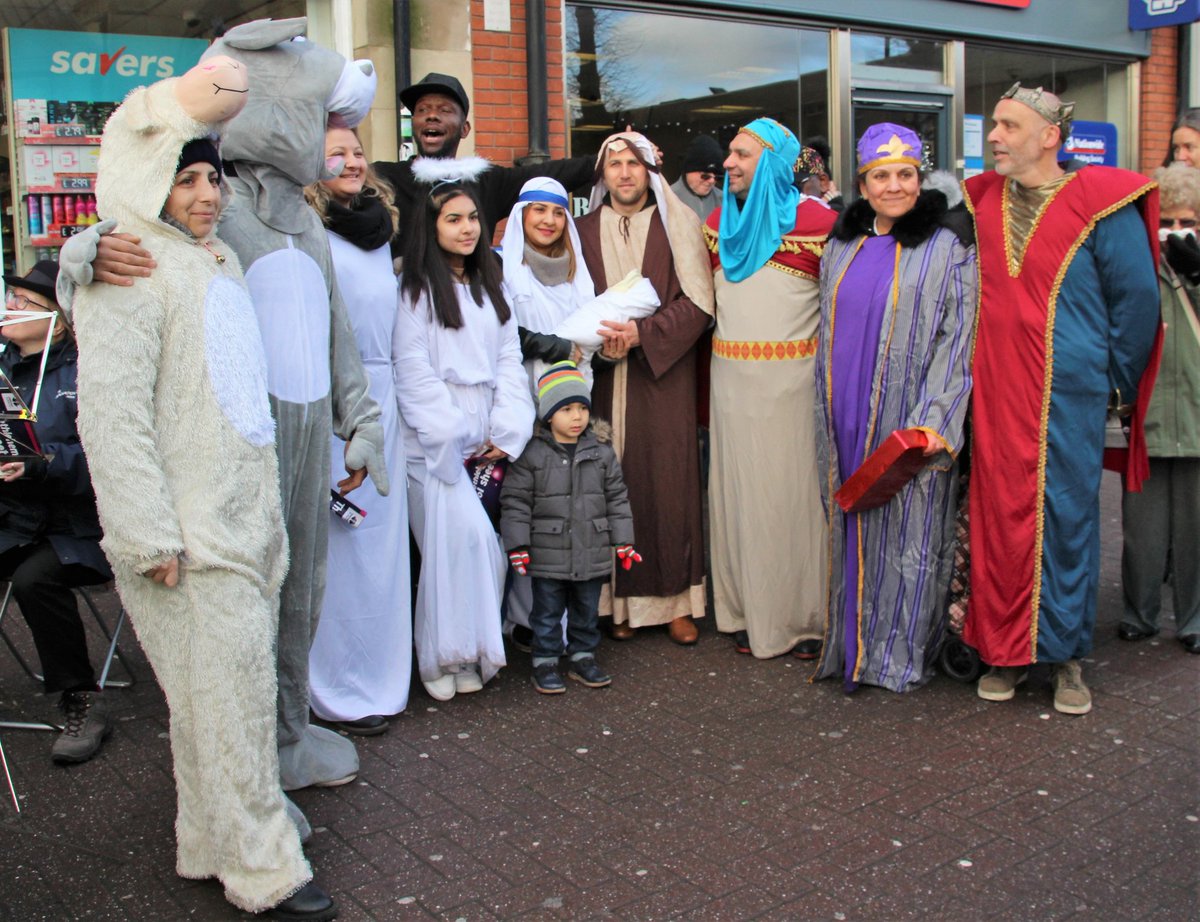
(561, 384)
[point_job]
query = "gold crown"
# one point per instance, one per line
(1060, 115)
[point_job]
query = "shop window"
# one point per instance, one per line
(1097, 87)
(892, 59)
(673, 77)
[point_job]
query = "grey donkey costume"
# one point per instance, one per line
(315, 376)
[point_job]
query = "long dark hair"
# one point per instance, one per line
(426, 268)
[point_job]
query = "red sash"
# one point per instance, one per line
(1013, 372)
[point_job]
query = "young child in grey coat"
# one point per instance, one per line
(564, 509)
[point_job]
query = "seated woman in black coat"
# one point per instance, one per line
(49, 530)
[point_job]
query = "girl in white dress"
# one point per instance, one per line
(361, 657)
(464, 395)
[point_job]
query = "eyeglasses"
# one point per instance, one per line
(1168, 223)
(708, 177)
(24, 303)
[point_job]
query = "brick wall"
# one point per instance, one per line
(1159, 97)
(500, 114)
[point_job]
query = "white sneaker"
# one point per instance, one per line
(442, 688)
(467, 679)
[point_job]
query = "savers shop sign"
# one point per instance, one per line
(92, 65)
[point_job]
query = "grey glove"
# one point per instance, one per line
(365, 449)
(75, 262)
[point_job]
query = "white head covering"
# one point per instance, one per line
(517, 275)
(692, 264)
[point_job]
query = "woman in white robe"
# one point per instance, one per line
(464, 395)
(361, 658)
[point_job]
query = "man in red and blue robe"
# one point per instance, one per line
(1068, 318)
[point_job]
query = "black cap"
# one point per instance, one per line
(41, 278)
(703, 155)
(435, 83)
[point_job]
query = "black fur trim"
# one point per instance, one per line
(912, 229)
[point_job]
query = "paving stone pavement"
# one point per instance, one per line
(702, 785)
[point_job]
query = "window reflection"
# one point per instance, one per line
(673, 77)
(894, 58)
(1098, 89)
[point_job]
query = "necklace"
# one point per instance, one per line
(217, 256)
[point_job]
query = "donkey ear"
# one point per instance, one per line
(264, 33)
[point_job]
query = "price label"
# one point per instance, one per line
(70, 230)
(70, 131)
(76, 183)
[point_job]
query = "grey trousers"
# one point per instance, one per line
(1164, 518)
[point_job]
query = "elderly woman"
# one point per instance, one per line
(897, 314)
(1163, 521)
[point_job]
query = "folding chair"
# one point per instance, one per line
(113, 653)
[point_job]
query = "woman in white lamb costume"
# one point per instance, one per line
(174, 417)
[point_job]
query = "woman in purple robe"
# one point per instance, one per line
(898, 303)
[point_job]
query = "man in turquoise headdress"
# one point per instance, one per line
(767, 528)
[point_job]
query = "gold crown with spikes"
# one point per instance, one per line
(1060, 115)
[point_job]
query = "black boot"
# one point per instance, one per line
(309, 904)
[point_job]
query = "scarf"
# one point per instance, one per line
(367, 224)
(752, 231)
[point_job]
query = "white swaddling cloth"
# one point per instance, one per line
(632, 298)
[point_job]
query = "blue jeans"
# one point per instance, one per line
(581, 600)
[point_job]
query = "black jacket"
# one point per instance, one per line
(498, 186)
(569, 514)
(53, 501)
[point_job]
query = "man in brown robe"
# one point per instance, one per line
(646, 381)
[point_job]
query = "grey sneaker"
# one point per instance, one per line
(1071, 696)
(86, 724)
(1000, 682)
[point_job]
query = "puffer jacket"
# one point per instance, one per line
(54, 501)
(569, 514)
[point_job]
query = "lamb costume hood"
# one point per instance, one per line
(174, 417)
(315, 376)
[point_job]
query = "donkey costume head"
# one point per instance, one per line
(278, 144)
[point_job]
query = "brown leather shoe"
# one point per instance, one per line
(683, 631)
(622, 631)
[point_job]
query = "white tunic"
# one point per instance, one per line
(361, 657)
(457, 390)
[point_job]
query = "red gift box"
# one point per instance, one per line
(893, 464)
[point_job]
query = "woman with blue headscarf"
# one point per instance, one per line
(898, 301)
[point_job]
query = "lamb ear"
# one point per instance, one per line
(264, 33)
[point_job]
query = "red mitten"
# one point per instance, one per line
(628, 556)
(520, 561)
